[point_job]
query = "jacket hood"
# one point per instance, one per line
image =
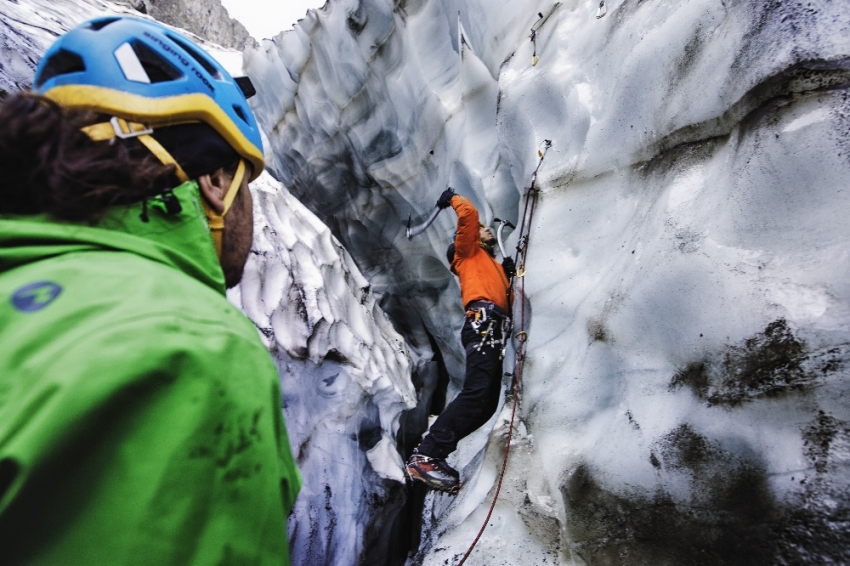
(180, 240)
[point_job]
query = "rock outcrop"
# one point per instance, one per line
(207, 19)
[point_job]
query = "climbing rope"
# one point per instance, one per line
(522, 335)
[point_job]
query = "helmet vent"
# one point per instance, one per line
(98, 25)
(209, 67)
(62, 62)
(240, 112)
(130, 64)
(157, 68)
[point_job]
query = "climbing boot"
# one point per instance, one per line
(434, 473)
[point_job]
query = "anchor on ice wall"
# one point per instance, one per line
(602, 9)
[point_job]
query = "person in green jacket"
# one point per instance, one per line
(140, 414)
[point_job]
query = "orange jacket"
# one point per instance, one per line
(481, 276)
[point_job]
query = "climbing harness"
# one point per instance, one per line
(496, 326)
(522, 335)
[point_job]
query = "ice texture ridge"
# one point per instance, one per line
(685, 396)
(345, 378)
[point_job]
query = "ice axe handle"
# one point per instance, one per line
(502, 224)
(416, 230)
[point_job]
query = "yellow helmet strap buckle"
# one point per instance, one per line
(123, 129)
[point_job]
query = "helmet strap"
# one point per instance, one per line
(120, 128)
(216, 220)
(164, 157)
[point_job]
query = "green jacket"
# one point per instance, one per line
(140, 418)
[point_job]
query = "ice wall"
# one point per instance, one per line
(345, 379)
(685, 397)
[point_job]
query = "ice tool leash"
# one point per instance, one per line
(522, 335)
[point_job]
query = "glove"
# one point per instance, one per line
(445, 199)
(509, 266)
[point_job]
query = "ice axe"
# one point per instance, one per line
(502, 224)
(416, 230)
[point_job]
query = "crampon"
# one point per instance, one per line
(434, 473)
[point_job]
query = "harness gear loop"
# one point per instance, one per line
(216, 220)
(484, 335)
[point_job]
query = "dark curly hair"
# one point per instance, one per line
(48, 166)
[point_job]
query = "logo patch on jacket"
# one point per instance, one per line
(35, 296)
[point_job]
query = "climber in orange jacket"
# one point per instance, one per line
(485, 290)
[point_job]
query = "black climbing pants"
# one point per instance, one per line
(478, 399)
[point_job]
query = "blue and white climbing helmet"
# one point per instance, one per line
(147, 76)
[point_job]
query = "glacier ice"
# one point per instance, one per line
(344, 377)
(685, 392)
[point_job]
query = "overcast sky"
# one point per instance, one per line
(267, 18)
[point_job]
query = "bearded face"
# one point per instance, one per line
(487, 237)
